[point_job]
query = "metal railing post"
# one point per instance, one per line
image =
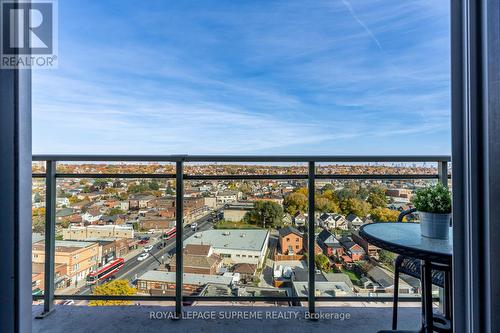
(310, 236)
(443, 172)
(179, 227)
(50, 231)
(443, 179)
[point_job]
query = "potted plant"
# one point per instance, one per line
(433, 204)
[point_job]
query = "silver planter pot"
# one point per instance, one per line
(434, 225)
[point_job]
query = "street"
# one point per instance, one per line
(134, 268)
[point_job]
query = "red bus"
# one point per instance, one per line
(105, 271)
(169, 234)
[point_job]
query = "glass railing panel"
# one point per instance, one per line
(232, 246)
(109, 233)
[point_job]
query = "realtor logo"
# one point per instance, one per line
(29, 34)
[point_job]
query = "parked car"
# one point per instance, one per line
(143, 256)
(148, 248)
(143, 241)
(194, 226)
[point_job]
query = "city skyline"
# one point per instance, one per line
(335, 77)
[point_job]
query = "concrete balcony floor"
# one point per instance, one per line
(76, 319)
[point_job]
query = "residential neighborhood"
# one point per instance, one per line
(239, 236)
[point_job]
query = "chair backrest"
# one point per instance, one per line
(406, 212)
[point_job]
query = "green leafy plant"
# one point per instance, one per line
(433, 199)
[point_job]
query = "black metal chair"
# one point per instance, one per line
(441, 277)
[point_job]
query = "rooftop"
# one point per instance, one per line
(289, 230)
(324, 288)
(196, 279)
(110, 226)
(64, 246)
(236, 239)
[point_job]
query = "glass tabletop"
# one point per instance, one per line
(405, 238)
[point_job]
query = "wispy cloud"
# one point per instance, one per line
(348, 5)
(287, 77)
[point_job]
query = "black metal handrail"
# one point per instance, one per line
(51, 175)
(243, 158)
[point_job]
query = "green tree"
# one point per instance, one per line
(326, 206)
(154, 186)
(64, 224)
(349, 191)
(265, 214)
(169, 190)
(245, 188)
(110, 190)
(101, 183)
(113, 288)
(355, 206)
(380, 214)
(73, 199)
(377, 197)
(295, 203)
(138, 188)
(115, 211)
(330, 195)
(321, 262)
(123, 196)
(328, 187)
(387, 257)
(38, 226)
(302, 190)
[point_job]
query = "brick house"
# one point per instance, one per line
(157, 223)
(38, 275)
(80, 258)
(329, 244)
(370, 249)
(353, 250)
(198, 259)
(291, 241)
(246, 271)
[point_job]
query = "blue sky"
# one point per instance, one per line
(247, 77)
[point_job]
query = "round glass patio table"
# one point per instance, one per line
(404, 238)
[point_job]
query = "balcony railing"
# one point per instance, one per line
(51, 175)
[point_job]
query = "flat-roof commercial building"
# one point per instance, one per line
(38, 276)
(79, 257)
(98, 231)
(163, 283)
(235, 245)
(236, 212)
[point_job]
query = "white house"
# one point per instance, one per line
(228, 197)
(333, 221)
(353, 221)
(91, 218)
(300, 219)
(124, 205)
(62, 201)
